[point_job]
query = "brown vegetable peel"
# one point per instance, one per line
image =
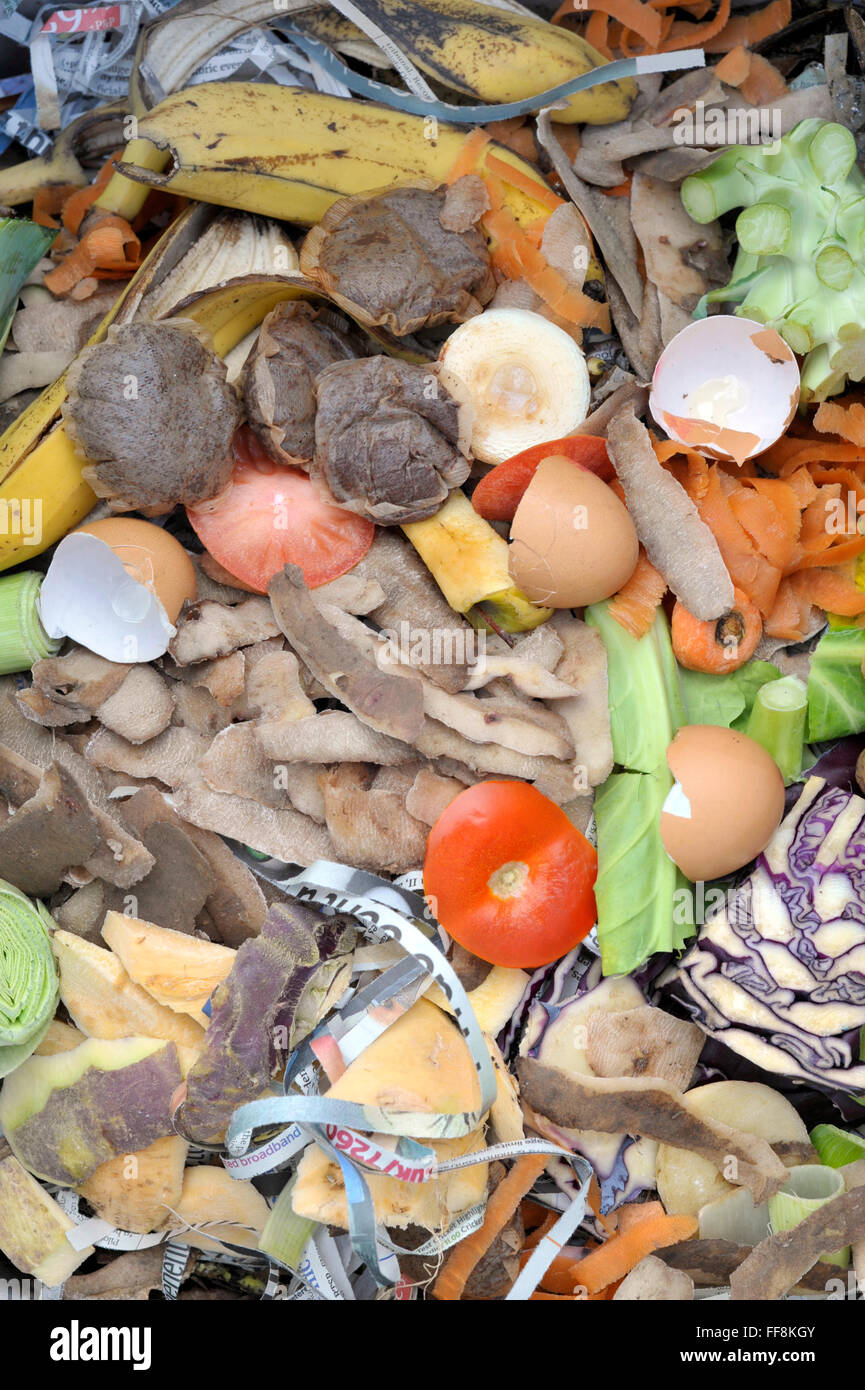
(152, 414)
(654, 1109)
(677, 542)
(781, 1260)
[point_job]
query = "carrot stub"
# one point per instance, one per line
(718, 645)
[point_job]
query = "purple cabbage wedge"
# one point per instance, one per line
(555, 1032)
(280, 986)
(778, 973)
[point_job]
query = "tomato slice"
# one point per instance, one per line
(271, 516)
(498, 495)
(509, 877)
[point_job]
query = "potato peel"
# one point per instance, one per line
(654, 1109)
(676, 541)
(781, 1260)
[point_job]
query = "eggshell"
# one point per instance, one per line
(714, 349)
(152, 556)
(727, 803)
(88, 595)
(572, 540)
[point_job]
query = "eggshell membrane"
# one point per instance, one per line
(726, 345)
(736, 795)
(152, 556)
(572, 541)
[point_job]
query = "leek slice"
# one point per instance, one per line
(29, 984)
(23, 639)
(286, 1235)
(808, 1188)
(837, 1147)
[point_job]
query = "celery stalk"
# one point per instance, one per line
(800, 235)
(777, 723)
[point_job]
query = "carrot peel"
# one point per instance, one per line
(618, 1255)
(503, 1202)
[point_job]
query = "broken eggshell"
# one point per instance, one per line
(726, 386)
(89, 595)
(725, 805)
(572, 540)
(152, 556)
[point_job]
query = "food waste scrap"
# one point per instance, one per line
(432, 626)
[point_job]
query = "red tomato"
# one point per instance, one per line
(271, 516)
(511, 878)
(498, 495)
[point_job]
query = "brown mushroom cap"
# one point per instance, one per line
(151, 411)
(388, 439)
(390, 261)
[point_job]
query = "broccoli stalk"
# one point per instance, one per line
(801, 235)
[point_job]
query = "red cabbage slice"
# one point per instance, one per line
(777, 974)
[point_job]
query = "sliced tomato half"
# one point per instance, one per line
(271, 516)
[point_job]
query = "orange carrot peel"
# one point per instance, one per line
(503, 1202)
(618, 1255)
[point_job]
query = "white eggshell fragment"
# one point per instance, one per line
(88, 595)
(726, 386)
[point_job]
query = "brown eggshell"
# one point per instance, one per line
(736, 795)
(572, 540)
(152, 556)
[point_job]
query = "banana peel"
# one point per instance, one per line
(283, 152)
(468, 559)
(289, 153)
(37, 458)
(92, 136)
(484, 52)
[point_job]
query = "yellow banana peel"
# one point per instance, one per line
(487, 53)
(289, 153)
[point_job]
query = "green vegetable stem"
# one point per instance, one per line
(777, 723)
